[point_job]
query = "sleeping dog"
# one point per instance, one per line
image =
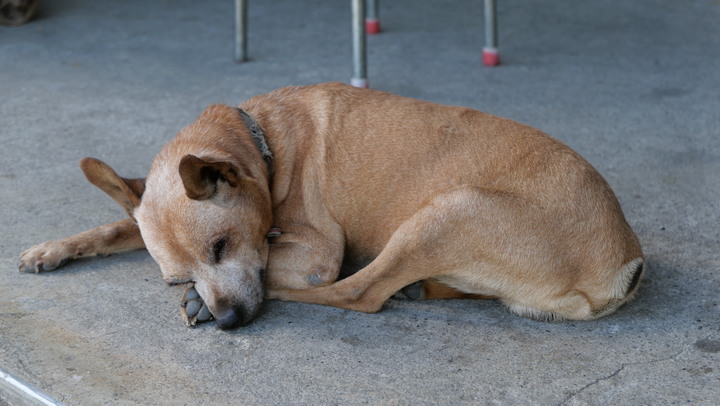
(267, 200)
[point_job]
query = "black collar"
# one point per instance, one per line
(258, 136)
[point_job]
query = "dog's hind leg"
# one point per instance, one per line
(108, 239)
(424, 246)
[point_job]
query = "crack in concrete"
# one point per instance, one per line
(614, 374)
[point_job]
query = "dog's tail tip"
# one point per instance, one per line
(633, 273)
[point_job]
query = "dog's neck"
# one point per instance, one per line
(258, 136)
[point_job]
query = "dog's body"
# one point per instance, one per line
(465, 201)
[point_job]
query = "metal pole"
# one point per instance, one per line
(359, 78)
(372, 20)
(491, 57)
(241, 40)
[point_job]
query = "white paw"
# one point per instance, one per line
(46, 257)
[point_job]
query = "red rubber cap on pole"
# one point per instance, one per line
(490, 57)
(372, 26)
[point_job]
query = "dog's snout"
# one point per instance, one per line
(229, 318)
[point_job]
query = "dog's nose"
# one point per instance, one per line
(229, 318)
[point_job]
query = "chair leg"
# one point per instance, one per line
(372, 20)
(241, 40)
(359, 78)
(490, 54)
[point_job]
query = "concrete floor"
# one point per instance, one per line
(632, 86)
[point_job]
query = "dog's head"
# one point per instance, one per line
(204, 212)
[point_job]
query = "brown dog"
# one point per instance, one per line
(467, 202)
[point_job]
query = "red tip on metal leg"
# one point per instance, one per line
(372, 26)
(490, 57)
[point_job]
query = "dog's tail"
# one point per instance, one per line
(625, 286)
(631, 274)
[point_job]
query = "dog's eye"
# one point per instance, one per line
(219, 249)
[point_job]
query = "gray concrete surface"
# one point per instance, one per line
(633, 86)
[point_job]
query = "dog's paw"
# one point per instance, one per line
(193, 308)
(45, 257)
(414, 291)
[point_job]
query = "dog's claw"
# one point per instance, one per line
(193, 308)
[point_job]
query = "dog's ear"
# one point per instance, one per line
(125, 192)
(200, 177)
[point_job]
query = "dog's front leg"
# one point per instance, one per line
(108, 239)
(303, 259)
